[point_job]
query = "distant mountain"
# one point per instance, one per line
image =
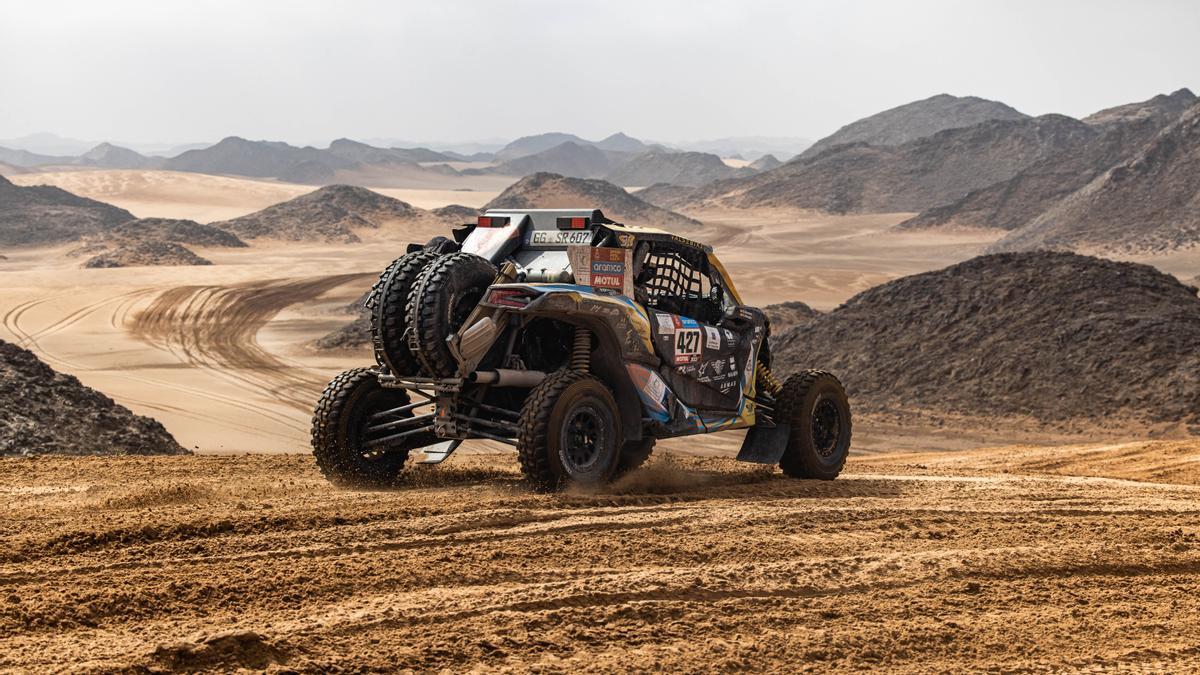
(331, 214)
(109, 156)
(568, 158)
(25, 158)
(1012, 203)
(355, 151)
(531, 145)
(260, 159)
(915, 120)
(619, 142)
(1147, 203)
(44, 143)
(676, 168)
(750, 147)
(913, 176)
(765, 163)
(1164, 104)
(551, 191)
(42, 215)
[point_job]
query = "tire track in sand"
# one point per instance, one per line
(216, 328)
(28, 338)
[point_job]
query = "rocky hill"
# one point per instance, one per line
(1148, 203)
(765, 163)
(187, 232)
(918, 119)
(154, 241)
(549, 191)
(568, 158)
(1012, 203)
(914, 176)
(261, 159)
(456, 213)
(43, 411)
(666, 195)
(330, 214)
(42, 215)
(787, 315)
(1172, 104)
(676, 168)
(1054, 336)
(133, 253)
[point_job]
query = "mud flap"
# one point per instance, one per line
(765, 445)
(438, 452)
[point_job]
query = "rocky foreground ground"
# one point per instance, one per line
(1019, 558)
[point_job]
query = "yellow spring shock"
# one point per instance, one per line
(767, 379)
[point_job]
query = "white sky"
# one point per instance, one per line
(304, 71)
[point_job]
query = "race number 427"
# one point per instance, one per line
(687, 345)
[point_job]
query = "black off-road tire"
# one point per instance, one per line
(540, 435)
(815, 404)
(348, 400)
(389, 305)
(444, 296)
(634, 455)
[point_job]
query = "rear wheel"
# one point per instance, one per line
(444, 296)
(340, 438)
(814, 404)
(569, 433)
(389, 302)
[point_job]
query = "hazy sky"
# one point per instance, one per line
(299, 70)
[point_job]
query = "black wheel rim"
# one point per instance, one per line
(826, 427)
(365, 446)
(583, 439)
(463, 308)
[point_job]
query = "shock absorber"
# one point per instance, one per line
(767, 379)
(581, 353)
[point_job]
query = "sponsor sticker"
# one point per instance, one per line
(625, 240)
(712, 337)
(666, 325)
(655, 387)
(728, 335)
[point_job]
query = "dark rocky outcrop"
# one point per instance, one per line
(43, 411)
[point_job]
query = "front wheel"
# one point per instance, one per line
(341, 434)
(814, 404)
(569, 433)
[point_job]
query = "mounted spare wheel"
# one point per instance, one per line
(443, 298)
(388, 303)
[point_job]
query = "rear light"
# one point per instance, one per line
(493, 221)
(574, 223)
(508, 297)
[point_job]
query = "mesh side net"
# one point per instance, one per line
(677, 274)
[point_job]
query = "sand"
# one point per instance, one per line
(980, 560)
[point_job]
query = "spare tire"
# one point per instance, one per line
(444, 296)
(389, 305)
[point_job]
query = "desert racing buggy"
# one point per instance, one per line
(580, 341)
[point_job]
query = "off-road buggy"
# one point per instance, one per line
(580, 341)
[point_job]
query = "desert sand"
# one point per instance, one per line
(1016, 558)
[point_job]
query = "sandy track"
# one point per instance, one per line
(975, 562)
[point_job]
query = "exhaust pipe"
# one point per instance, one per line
(507, 377)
